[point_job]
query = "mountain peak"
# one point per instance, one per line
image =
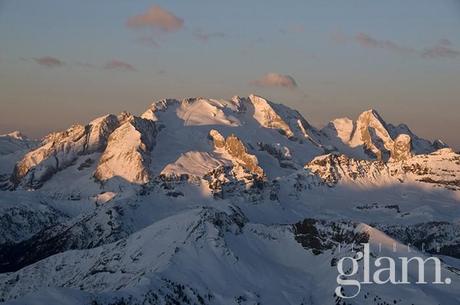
(15, 135)
(253, 96)
(267, 116)
(127, 154)
(373, 111)
(372, 114)
(370, 137)
(125, 145)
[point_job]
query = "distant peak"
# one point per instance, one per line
(342, 119)
(16, 135)
(404, 126)
(372, 111)
(164, 100)
(439, 144)
(162, 104)
(124, 116)
(256, 97)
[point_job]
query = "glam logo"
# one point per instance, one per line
(384, 271)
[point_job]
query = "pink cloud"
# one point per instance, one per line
(367, 41)
(157, 18)
(275, 80)
(48, 61)
(442, 49)
(115, 64)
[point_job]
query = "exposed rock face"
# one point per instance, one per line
(61, 149)
(370, 137)
(219, 140)
(235, 182)
(276, 150)
(401, 148)
(237, 152)
(125, 141)
(334, 168)
(127, 154)
(436, 237)
(342, 128)
(440, 169)
(322, 235)
(236, 149)
(242, 177)
(281, 153)
(267, 117)
(418, 145)
(372, 134)
(158, 106)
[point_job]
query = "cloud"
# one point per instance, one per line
(366, 41)
(204, 37)
(48, 61)
(275, 80)
(442, 49)
(115, 64)
(156, 18)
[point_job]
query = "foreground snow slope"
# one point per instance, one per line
(212, 256)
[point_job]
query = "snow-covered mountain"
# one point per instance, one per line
(12, 147)
(440, 169)
(370, 137)
(206, 201)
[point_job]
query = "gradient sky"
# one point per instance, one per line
(63, 62)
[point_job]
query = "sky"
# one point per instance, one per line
(64, 62)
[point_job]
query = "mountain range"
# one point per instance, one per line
(213, 201)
